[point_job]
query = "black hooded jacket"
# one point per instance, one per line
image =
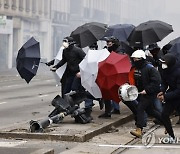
(149, 79)
(73, 55)
(171, 82)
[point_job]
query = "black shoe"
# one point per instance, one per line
(105, 115)
(115, 111)
(157, 122)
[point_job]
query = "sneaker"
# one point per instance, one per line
(115, 111)
(105, 115)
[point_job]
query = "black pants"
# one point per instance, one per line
(146, 104)
(108, 106)
(132, 105)
(168, 108)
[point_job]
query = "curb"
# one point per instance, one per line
(44, 151)
(62, 137)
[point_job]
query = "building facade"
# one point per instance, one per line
(49, 21)
(20, 20)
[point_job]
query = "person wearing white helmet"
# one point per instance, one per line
(147, 80)
(138, 54)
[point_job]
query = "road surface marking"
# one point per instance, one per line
(43, 95)
(11, 144)
(140, 146)
(16, 85)
(3, 103)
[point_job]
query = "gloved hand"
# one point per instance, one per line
(48, 64)
(53, 68)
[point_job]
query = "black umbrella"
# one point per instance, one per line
(125, 48)
(28, 59)
(149, 32)
(175, 47)
(120, 31)
(89, 33)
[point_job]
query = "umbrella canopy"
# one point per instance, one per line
(112, 73)
(88, 33)
(125, 48)
(120, 31)
(28, 59)
(149, 32)
(175, 49)
(89, 69)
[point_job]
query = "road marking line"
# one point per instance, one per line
(11, 144)
(3, 103)
(140, 146)
(43, 95)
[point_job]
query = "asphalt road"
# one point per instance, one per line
(21, 102)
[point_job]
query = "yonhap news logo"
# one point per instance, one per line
(149, 139)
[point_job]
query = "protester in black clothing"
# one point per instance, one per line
(147, 80)
(72, 55)
(55, 61)
(111, 106)
(156, 53)
(170, 89)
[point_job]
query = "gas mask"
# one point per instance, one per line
(164, 66)
(65, 44)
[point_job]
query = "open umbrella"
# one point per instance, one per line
(149, 32)
(120, 31)
(175, 48)
(89, 33)
(125, 48)
(28, 59)
(112, 73)
(89, 69)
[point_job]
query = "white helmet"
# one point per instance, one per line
(138, 54)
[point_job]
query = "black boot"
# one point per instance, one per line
(108, 108)
(105, 115)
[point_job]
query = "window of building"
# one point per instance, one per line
(14, 6)
(27, 5)
(21, 3)
(46, 7)
(34, 9)
(6, 4)
(0, 3)
(40, 6)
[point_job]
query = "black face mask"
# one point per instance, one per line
(138, 64)
(113, 48)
